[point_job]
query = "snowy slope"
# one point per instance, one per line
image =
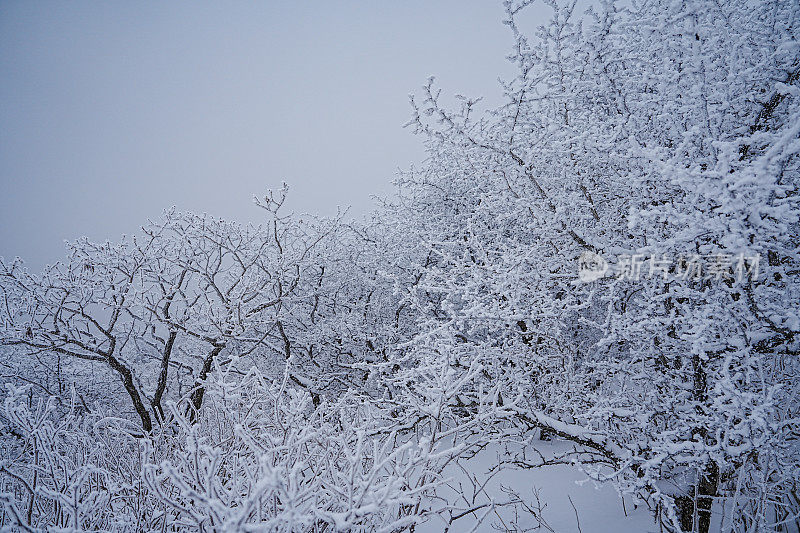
(569, 501)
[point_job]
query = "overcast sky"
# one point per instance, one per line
(112, 111)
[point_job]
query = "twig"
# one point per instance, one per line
(577, 519)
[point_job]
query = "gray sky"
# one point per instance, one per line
(113, 111)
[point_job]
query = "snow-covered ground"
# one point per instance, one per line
(569, 501)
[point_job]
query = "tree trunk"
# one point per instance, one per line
(130, 387)
(200, 386)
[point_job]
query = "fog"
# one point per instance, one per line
(111, 112)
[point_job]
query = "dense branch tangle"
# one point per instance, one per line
(159, 309)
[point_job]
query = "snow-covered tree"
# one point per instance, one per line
(609, 258)
(653, 138)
